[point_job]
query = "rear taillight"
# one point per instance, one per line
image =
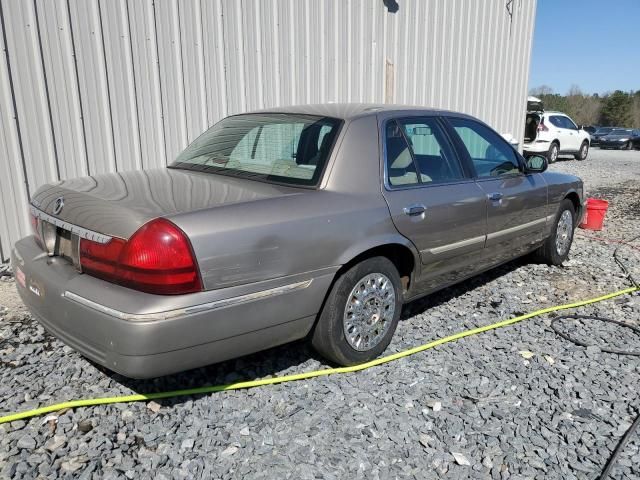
(542, 127)
(158, 259)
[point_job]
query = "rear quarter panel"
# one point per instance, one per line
(305, 232)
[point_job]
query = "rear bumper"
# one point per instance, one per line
(141, 335)
(535, 147)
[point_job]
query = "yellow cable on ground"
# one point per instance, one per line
(302, 376)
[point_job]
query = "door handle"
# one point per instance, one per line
(495, 196)
(415, 209)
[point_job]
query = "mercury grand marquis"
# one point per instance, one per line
(311, 222)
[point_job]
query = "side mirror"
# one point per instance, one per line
(536, 164)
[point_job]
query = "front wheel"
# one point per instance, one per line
(583, 152)
(555, 249)
(552, 154)
(360, 314)
(629, 145)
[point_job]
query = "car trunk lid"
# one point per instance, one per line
(117, 204)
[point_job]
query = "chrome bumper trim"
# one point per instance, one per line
(81, 232)
(168, 314)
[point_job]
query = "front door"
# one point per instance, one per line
(516, 202)
(431, 200)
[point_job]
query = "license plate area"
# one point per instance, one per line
(60, 242)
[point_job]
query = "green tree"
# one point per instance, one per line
(616, 109)
(635, 110)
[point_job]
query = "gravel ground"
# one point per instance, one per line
(519, 402)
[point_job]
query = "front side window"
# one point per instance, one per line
(490, 154)
(282, 148)
(568, 123)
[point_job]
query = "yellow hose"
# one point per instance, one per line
(302, 376)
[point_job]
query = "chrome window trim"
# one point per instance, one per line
(75, 229)
(179, 312)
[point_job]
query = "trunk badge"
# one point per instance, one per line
(58, 205)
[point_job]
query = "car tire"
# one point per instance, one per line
(343, 329)
(552, 251)
(583, 152)
(629, 145)
(554, 151)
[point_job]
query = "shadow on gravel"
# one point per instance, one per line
(275, 361)
(284, 359)
(443, 296)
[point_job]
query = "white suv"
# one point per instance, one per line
(553, 134)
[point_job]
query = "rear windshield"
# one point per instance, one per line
(272, 147)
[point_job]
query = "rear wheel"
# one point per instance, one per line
(361, 313)
(555, 249)
(583, 152)
(552, 154)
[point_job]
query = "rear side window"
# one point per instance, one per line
(556, 121)
(401, 169)
(419, 153)
(490, 154)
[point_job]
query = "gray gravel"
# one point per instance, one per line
(513, 403)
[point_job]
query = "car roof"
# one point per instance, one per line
(350, 111)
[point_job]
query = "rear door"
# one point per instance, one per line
(432, 199)
(566, 132)
(517, 212)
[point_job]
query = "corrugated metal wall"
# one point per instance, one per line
(89, 86)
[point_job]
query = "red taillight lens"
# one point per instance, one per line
(542, 127)
(101, 259)
(157, 259)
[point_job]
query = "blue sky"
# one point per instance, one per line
(589, 43)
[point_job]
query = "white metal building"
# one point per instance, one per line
(90, 86)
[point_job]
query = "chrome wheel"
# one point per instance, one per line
(564, 232)
(369, 311)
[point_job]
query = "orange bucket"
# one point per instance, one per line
(594, 216)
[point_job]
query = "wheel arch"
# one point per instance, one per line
(399, 250)
(573, 196)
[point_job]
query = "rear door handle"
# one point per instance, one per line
(415, 209)
(495, 196)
